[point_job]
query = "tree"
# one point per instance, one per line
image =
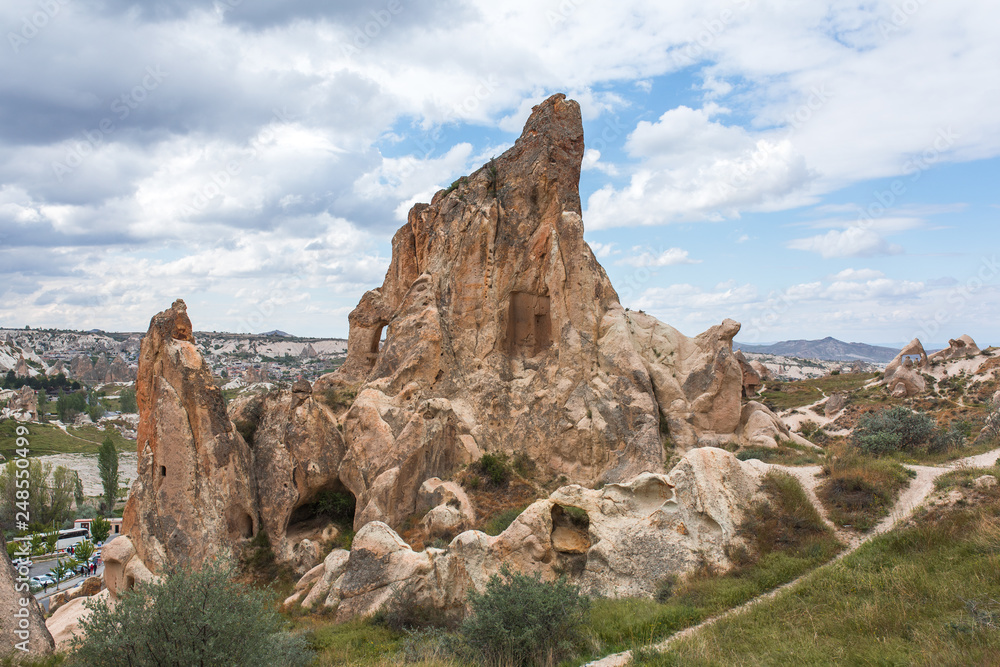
(107, 465)
(37, 541)
(188, 617)
(47, 502)
(127, 401)
(100, 528)
(50, 541)
(82, 552)
(60, 569)
(60, 496)
(78, 491)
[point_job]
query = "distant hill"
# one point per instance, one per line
(828, 349)
(277, 332)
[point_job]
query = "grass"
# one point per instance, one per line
(788, 395)
(48, 439)
(786, 453)
(785, 538)
(924, 594)
(359, 642)
(860, 490)
(964, 478)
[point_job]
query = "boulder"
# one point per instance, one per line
(618, 541)
(194, 494)
(902, 375)
(90, 586)
(751, 378)
(64, 624)
(763, 371)
(759, 427)
(985, 482)
(834, 404)
(20, 629)
(958, 348)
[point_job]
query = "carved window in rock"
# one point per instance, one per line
(529, 324)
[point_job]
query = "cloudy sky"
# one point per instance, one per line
(810, 169)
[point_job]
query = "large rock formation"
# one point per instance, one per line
(902, 375)
(958, 348)
(194, 493)
(297, 451)
(632, 536)
(503, 333)
(22, 628)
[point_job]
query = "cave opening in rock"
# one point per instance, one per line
(334, 504)
(239, 523)
(163, 471)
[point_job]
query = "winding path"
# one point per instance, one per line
(911, 498)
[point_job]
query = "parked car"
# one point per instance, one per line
(52, 575)
(42, 580)
(22, 561)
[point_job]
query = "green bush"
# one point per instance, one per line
(495, 468)
(894, 430)
(188, 618)
(521, 620)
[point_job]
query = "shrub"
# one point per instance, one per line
(189, 617)
(521, 620)
(495, 468)
(339, 399)
(893, 430)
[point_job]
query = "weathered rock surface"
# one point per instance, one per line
(22, 370)
(763, 371)
(297, 451)
(22, 405)
(194, 493)
(759, 427)
(958, 348)
(751, 378)
(834, 404)
(64, 624)
(90, 586)
(21, 626)
(902, 375)
(446, 509)
(635, 534)
(503, 334)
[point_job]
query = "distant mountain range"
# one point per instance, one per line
(827, 349)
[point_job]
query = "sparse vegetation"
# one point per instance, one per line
(338, 398)
(786, 453)
(923, 594)
(859, 489)
(499, 523)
